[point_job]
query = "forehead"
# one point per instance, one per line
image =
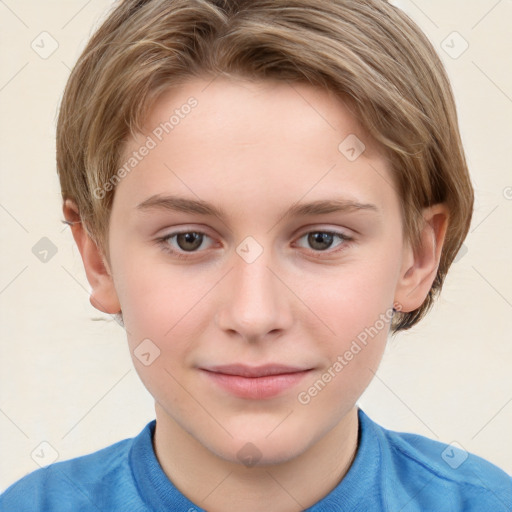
(247, 110)
(241, 138)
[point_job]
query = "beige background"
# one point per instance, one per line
(66, 377)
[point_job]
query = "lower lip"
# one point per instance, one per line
(256, 387)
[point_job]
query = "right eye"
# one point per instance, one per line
(184, 242)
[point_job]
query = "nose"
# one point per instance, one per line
(255, 303)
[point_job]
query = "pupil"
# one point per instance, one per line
(320, 238)
(184, 239)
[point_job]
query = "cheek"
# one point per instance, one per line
(357, 307)
(351, 359)
(161, 317)
(154, 296)
(354, 296)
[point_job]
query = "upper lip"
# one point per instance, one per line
(255, 371)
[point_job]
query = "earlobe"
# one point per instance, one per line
(420, 264)
(103, 295)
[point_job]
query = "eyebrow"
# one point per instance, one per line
(200, 207)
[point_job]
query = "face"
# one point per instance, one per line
(250, 275)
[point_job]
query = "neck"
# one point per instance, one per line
(218, 485)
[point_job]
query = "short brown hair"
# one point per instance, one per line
(368, 52)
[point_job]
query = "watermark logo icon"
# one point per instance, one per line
(454, 455)
(462, 252)
(249, 455)
(352, 147)
(45, 45)
(44, 454)
(44, 250)
(249, 249)
(454, 45)
(146, 352)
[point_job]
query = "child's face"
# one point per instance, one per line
(253, 150)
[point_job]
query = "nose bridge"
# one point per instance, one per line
(256, 302)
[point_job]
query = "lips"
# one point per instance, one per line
(255, 371)
(255, 382)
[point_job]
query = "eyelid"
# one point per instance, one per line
(318, 228)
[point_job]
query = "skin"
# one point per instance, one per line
(254, 149)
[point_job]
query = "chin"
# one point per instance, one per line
(260, 454)
(252, 449)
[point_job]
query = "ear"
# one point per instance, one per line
(103, 296)
(420, 264)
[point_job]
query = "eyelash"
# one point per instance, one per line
(164, 243)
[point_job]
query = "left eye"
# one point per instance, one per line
(322, 240)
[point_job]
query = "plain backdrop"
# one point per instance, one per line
(67, 385)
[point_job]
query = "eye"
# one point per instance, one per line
(321, 241)
(186, 242)
(180, 243)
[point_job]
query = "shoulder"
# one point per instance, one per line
(89, 482)
(439, 476)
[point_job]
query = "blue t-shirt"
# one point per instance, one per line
(392, 472)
